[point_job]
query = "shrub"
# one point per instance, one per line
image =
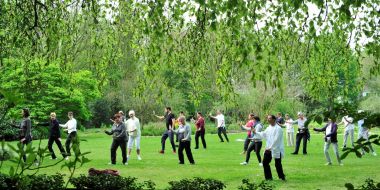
(264, 185)
(5, 154)
(32, 182)
(368, 185)
(196, 184)
(110, 182)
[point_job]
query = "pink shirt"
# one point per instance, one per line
(250, 124)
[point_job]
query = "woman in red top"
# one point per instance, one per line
(200, 125)
(248, 126)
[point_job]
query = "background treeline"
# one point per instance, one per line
(95, 58)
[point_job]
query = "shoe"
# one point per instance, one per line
(261, 164)
(340, 164)
(139, 158)
(174, 152)
(196, 148)
(181, 163)
(374, 154)
(110, 163)
(125, 164)
(67, 158)
(294, 153)
(221, 141)
(244, 163)
(192, 163)
(128, 157)
(161, 152)
(328, 164)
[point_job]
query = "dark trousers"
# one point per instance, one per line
(299, 137)
(266, 166)
(171, 138)
(25, 143)
(202, 135)
(59, 144)
(71, 138)
(256, 146)
(246, 143)
(115, 144)
(220, 131)
(185, 145)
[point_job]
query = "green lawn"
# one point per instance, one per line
(221, 161)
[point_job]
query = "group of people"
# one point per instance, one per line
(127, 132)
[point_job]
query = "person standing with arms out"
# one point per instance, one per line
(71, 127)
(170, 120)
(256, 142)
(248, 127)
(134, 132)
(289, 130)
(200, 125)
(25, 130)
(184, 137)
(364, 133)
(274, 148)
(119, 134)
(302, 133)
(280, 120)
(54, 136)
(348, 130)
(221, 126)
(330, 130)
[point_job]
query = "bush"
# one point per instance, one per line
(110, 182)
(368, 185)
(264, 185)
(32, 182)
(196, 184)
(5, 154)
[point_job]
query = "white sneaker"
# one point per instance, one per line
(328, 164)
(126, 163)
(374, 154)
(260, 164)
(243, 163)
(110, 163)
(139, 158)
(67, 158)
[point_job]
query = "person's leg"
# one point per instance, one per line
(163, 140)
(60, 147)
(345, 138)
(258, 146)
(288, 138)
(249, 150)
(171, 137)
(280, 171)
(298, 142)
(114, 146)
(336, 151)
(188, 152)
(203, 140)
(123, 150)
(137, 144)
(246, 143)
(225, 133)
(50, 147)
(351, 132)
(197, 134)
(23, 145)
(220, 134)
(326, 152)
(304, 137)
(266, 166)
(180, 152)
(292, 138)
(68, 143)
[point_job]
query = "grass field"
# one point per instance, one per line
(221, 161)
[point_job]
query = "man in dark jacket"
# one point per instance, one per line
(55, 136)
(119, 134)
(330, 130)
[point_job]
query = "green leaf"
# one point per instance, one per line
(373, 137)
(358, 154)
(344, 155)
(349, 186)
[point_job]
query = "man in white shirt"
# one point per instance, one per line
(302, 133)
(221, 126)
(348, 129)
(133, 128)
(71, 126)
(274, 147)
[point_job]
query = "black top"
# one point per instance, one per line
(169, 120)
(54, 129)
(333, 133)
(280, 120)
(26, 129)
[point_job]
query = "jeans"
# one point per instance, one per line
(290, 138)
(335, 148)
(220, 131)
(346, 134)
(167, 134)
(256, 146)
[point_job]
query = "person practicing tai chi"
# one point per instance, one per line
(54, 135)
(184, 137)
(364, 133)
(119, 134)
(248, 127)
(169, 120)
(330, 130)
(302, 133)
(25, 131)
(200, 125)
(220, 125)
(289, 130)
(348, 129)
(255, 141)
(134, 131)
(274, 147)
(71, 127)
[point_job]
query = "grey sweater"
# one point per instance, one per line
(184, 132)
(26, 129)
(118, 131)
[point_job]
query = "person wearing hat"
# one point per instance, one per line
(302, 133)
(348, 130)
(330, 130)
(119, 134)
(134, 132)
